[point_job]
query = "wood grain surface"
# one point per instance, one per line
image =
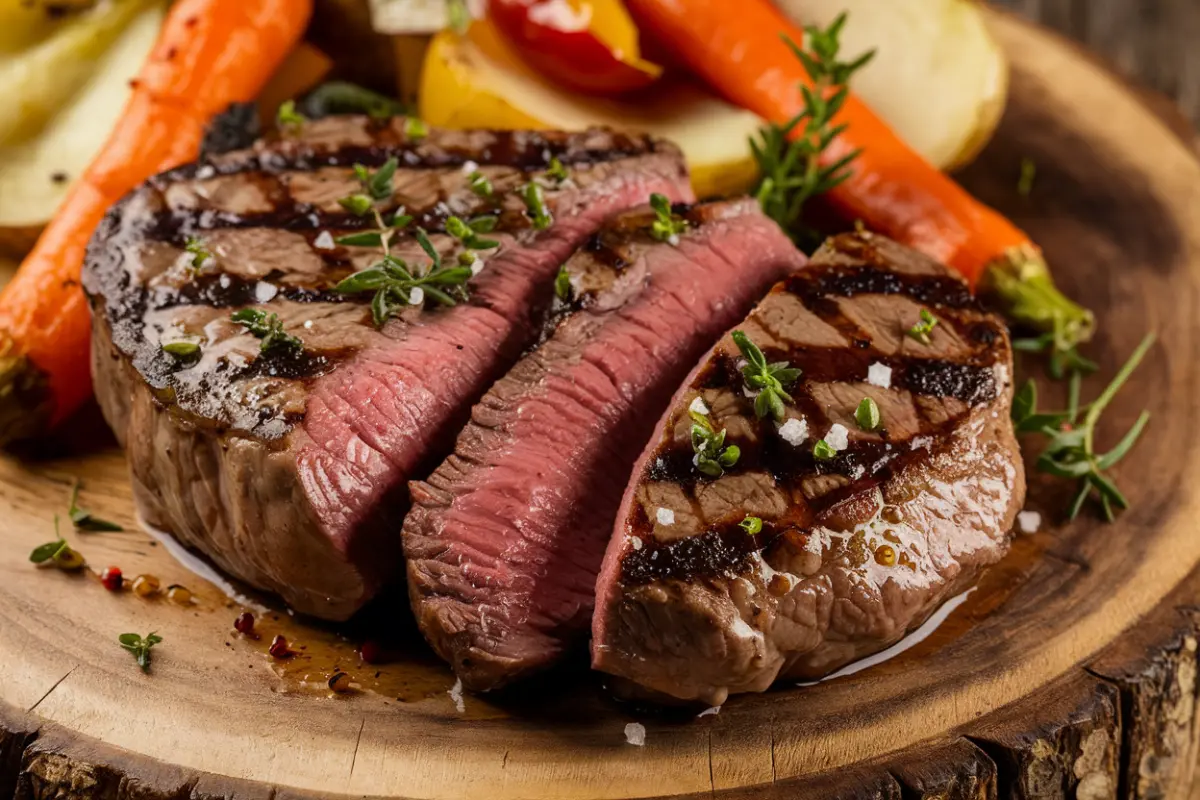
(1154, 42)
(1069, 672)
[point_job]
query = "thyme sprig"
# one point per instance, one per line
(712, 456)
(768, 379)
(139, 647)
(397, 284)
(269, 328)
(789, 156)
(1071, 450)
(667, 225)
(468, 232)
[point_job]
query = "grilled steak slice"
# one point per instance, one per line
(288, 468)
(855, 549)
(506, 537)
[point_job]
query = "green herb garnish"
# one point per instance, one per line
(85, 520)
(535, 206)
(667, 226)
(287, 118)
(200, 253)
(823, 451)
(267, 327)
(139, 647)
(1028, 176)
(1064, 358)
(789, 156)
(357, 204)
(378, 184)
(562, 284)
(397, 284)
(1070, 452)
(768, 379)
(922, 329)
(751, 525)
(468, 232)
(712, 456)
(480, 184)
(415, 129)
(57, 553)
(375, 238)
(182, 349)
(867, 414)
(556, 172)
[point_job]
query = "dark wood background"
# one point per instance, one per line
(1156, 42)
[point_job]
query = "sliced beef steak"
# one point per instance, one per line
(861, 538)
(506, 537)
(288, 468)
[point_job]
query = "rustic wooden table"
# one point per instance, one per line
(1152, 41)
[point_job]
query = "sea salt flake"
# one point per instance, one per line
(838, 437)
(324, 241)
(794, 431)
(921, 442)
(469, 166)
(263, 292)
(879, 375)
(1029, 521)
(635, 542)
(698, 407)
(308, 323)
(456, 694)
(665, 516)
(635, 734)
(417, 296)
(709, 712)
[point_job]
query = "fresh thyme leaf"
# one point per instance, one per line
(922, 329)
(426, 245)
(378, 184)
(485, 223)
(396, 286)
(139, 647)
(468, 235)
(364, 239)
(667, 226)
(557, 172)
(415, 129)
(751, 525)
(867, 414)
(1028, 176)
(85, 520)
(535, 206)
(823, 451)
(562, 284)
(182, 349)
(712, 457)
(268, 328)
(1070, 449)
(768, 379)
(357, 204)
(200, 253)
(480, 185)
(789, 156)
(401, 220)
(287, 118)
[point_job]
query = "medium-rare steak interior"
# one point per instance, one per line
(876, 474)
(506, 537)
(279, 443)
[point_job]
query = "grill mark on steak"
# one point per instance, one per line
(855, 550)
(290, 470)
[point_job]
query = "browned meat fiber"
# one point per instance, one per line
(506, 537)
(857, 547)
(288, 468)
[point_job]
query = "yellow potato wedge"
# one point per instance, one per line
(938, 78)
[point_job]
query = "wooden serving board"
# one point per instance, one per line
(1070, 671)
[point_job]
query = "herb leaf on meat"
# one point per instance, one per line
(267, 327)
(921, 330)
(768, 380)
(667, 225)
(535, 206)
(867, 414)
(200, 252)
(468, 232)
(712, 457)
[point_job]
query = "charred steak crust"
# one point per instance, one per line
(506, 537)
(288, 468)
(855, 550)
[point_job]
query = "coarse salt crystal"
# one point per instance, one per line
(635, 734)
(263, 292)
(698, 407)
(635, 542)
(469, 166)
(476, 265)
(710, 712)
(417, 296)
(838, 437)
(224, 281)
(1029, 521)
(921, 442)
(324, 241)
(879, 375)
(456, 694)
(673, 240)
(665, 516)
(794, 431)
(308, 324)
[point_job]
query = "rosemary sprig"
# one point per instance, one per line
(667, 225)
(768, 379)
(712, 456)
(268, 328)
(789, 156)
(1071, 451)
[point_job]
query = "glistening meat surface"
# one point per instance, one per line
(506, 537)
(289, 470)
(856, 548)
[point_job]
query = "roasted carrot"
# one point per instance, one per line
(209, 54)
(741, 51)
